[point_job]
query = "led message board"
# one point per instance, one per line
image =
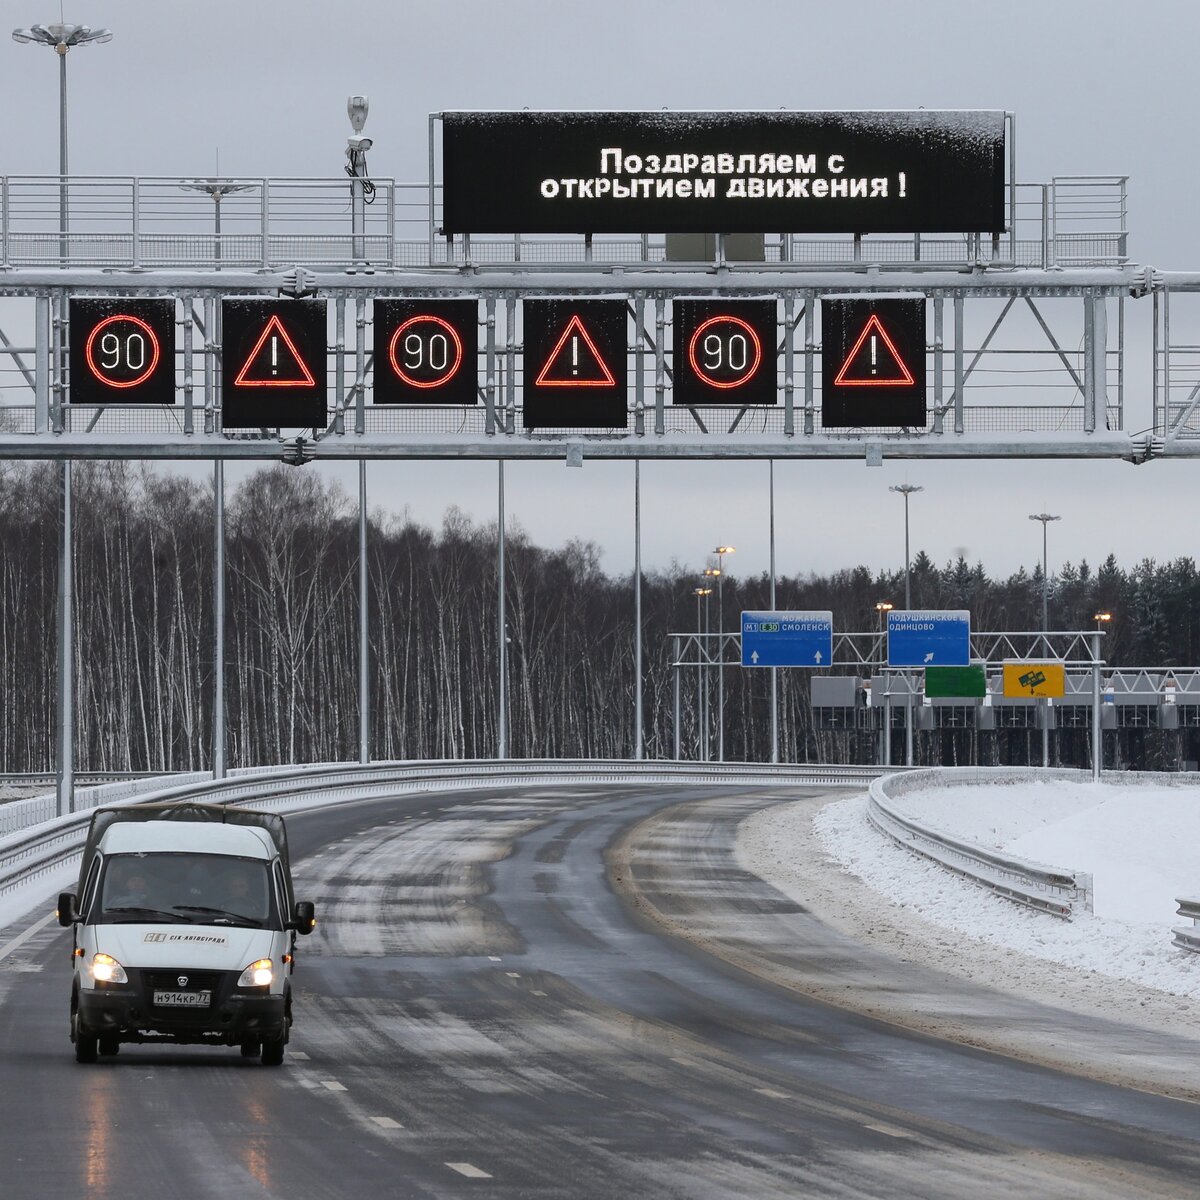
(873, 362)
(724, 352)
(426, 351)
(575, 364)
(742, 172)
(122, 351)
(274, 371)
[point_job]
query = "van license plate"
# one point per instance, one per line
(182, 999)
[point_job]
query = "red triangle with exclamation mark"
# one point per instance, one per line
(874, 361)
(575, 361)
(275, 361)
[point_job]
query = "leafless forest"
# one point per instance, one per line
(143, 612)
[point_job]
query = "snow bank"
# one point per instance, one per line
(1139, 842)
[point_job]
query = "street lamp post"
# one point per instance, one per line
(218, 189)
(720, 552)
(906, 490)
(1101, 618)
(701, 676)
(1045, 519)
(61, 38)
(882, 608)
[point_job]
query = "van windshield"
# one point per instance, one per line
(204, 889)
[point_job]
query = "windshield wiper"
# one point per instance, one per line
(220, 912)
(158, 912)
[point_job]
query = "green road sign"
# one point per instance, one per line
(967, 682)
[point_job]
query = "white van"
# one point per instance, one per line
(185, 930)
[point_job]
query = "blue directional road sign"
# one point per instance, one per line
(929, 638)
(787, 639)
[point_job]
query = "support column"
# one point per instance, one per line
(638, 732)
(675, 669)
(774, 670)
(501, 628)
(218, 730)
(364, 650)
(1097, 732)
(65, 765)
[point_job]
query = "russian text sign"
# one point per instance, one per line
(739, 172)
(426, 351)
(1034, 679)
(122, 351)
(724, 352)
(873, 362)
(929, 637)
(274, 371)
(787, 639)
(575, 364)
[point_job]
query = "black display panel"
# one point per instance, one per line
(575, 364)
(122, 351)
(724, 352)
(426, 351)
(748, 172)
(274, 371)
(873, 362)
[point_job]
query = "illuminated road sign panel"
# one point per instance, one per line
(873, 362)
(960, 683)
(929, 638)
(274, 364)
(575, 364)
(1033, 679)
(724, 352)
(122, 351)
(787, 639)
(426, 351)
(737, 172)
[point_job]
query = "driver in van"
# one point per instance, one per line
(128, 888)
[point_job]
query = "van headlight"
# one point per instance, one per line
(257, 974)
(106, 969)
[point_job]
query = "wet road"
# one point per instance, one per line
(482, 1012)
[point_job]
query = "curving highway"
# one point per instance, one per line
(529, 993)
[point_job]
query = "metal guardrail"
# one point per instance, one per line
(1055, 890)
(1188, 939)
(48, 845)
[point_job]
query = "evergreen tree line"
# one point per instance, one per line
(144, 632)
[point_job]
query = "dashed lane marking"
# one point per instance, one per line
(890, 1131)
(773, 1093)
(333, 1085)
(22, 938)
(494, 958)
(513, 974)
(471, 1172)
(299, 1056)
(536, 993)
(387, 1123)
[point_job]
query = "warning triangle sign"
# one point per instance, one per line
(575, 361)
(874, 361)
(275, 361)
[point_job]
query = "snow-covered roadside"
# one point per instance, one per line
(1135, 856)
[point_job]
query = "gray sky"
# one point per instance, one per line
(1098, 88)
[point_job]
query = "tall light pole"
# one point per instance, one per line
(1045, 519)
(701, 677)
(882, 608)
(720, 552)
(218, 189)
(62, 38)
(906, 490)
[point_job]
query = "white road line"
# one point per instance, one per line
(333, 1085)
(513, 974)
(387, 1123)
(22, 938)
(538, 993)
(773, 1093)
(468, 1170)
(889, 1131)
(494, 958)
(299, 1055)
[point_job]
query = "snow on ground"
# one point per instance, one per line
(1139, 842)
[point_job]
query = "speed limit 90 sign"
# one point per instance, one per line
(122, 351)
(426, 351)
(724, 352)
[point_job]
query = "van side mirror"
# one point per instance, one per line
(67, 916)
(305, 920)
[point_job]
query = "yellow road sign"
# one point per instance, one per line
(1034, 679)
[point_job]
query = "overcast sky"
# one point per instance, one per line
(1098, 88)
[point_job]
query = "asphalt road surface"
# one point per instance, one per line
(483, 1012)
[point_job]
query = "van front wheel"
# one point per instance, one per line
(86, 1042)
(272, 1051)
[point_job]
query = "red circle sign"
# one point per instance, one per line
(123, 357)
(427, 358)
(726, 363)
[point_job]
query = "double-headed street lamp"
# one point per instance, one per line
(61, 38)
(702, 593)
(1045, 519)
(719, 574)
